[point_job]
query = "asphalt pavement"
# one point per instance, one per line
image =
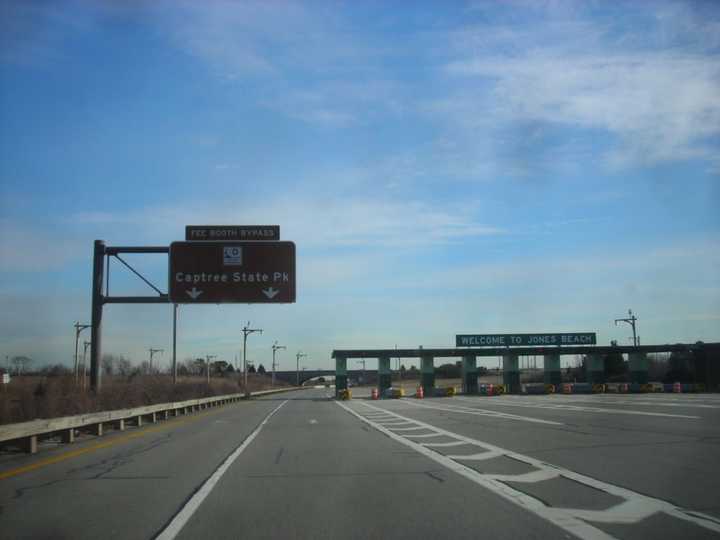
(301, 465)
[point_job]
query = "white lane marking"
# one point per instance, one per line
(187, 511)
(641, 507)
(477, 457)
(530, 478)
(645, 403)
(484, 412)
(444, 444)
(577, 408)
(558, 518)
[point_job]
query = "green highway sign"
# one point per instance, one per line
(515, 340)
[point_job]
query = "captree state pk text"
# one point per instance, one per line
(234, 277)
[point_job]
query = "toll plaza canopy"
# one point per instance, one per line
(705, 357)
(519, 351)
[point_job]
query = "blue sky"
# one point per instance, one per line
(443, 167)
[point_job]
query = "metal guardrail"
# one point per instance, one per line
(26, 434)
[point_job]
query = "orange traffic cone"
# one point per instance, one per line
(374, 394)
(419, 393)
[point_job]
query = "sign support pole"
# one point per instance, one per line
(174, 354)
(96, 322)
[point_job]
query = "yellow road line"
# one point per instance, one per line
(105, 444)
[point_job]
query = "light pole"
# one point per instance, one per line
(631, 320)
(275, 348)
(246, 332)
(152, 352)
(298, 356)
(78, 328)
(207, 365)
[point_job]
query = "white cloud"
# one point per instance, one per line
(661, 106)
(311, 218)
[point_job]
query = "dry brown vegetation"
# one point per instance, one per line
(31, 397)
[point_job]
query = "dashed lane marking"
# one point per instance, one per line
(187, 511)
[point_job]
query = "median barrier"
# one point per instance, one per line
(598, 388)
(344, 395)
(27, 434)
(549, 388)
(419, 393)
(567, 388)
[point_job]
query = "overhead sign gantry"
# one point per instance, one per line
(216, 264)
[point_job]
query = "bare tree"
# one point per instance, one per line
(108, 364)
(123, 366)
(21, 364)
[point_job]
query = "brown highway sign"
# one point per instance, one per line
(226, 272)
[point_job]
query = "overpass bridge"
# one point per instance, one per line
(367, 375)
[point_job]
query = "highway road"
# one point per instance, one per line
(301, 465)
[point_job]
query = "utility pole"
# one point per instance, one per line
(275, 348)
(208, 357)
(152, 352)
(78, 328)
(246, 332)
(298, 356)
(631, 320)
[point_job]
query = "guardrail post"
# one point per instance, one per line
(68, 436)
(167, 414)
(98, 429)
(469, 374)
(120, 425)
(29, 444)
(153, 417)
(139, 420)
(551, 370)
(511, 373)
